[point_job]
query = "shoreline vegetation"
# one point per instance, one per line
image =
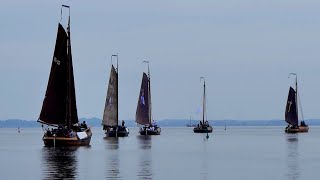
(96, 122)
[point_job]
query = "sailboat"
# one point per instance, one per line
(291, 114)
(204, 126)
(59, 109)
(110, 119)
(190, 125)
(144, 110)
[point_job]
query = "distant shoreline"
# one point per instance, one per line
(96, 122)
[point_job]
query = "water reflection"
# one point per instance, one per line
(293, 171)
(145, 157)
(59, 163)
(112, 143)
(112, 161)
(204, 157)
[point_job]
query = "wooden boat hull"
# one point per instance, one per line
(302, 129)
(67, 141)
(119, 133)
(203, 130)
(157, 131)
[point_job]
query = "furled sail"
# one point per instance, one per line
(143, 111)
(60, 85)
(291, 115)
(110, 115)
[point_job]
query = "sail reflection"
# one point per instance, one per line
(293, 171)
(112, 143)
(145, 157)
(112, 161)
(144, 142)
(59, 163)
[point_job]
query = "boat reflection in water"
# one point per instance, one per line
(59, 163)
(293, 171)
(145, 157)
(112, 160)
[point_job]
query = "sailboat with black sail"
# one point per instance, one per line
(203, 127)
(59, 109)
(144, 110)
(291, 114)
(110, 119)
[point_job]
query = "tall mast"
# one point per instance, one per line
(204, 99)
(296, 95)
(68, 98)
(117, 88)
(149, 89)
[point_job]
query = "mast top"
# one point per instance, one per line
(148, 67)
(65, 6)
(204, 80)
(294, 74)
(115, 55)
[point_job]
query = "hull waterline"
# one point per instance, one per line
(67, 141)
(203, 130)
(117, 133)
(157, 131)
(301, 129)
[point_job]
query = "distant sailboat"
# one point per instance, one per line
(204, 126)
(59, 107)
(144, 110)
(190, 125)
(291, 114)
(110, 119)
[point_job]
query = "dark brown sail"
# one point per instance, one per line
(143, 111)
(291, 115)
(60, 85)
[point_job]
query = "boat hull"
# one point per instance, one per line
(203, 130)
(144, 131)
(117, 133)
(301, 129)
(59, 141)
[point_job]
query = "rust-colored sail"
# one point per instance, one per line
(291, 114)
(143, 107)
(60, 89)
(110, 115)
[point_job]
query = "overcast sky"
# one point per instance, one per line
(245, 49)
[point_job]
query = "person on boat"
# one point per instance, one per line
(75, 127)
(201, 124)
(84, 125)
(303, 124)
(49, 133)
(122, 123)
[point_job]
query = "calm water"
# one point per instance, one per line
(240, 152)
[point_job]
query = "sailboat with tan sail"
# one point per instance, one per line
(110, 121)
